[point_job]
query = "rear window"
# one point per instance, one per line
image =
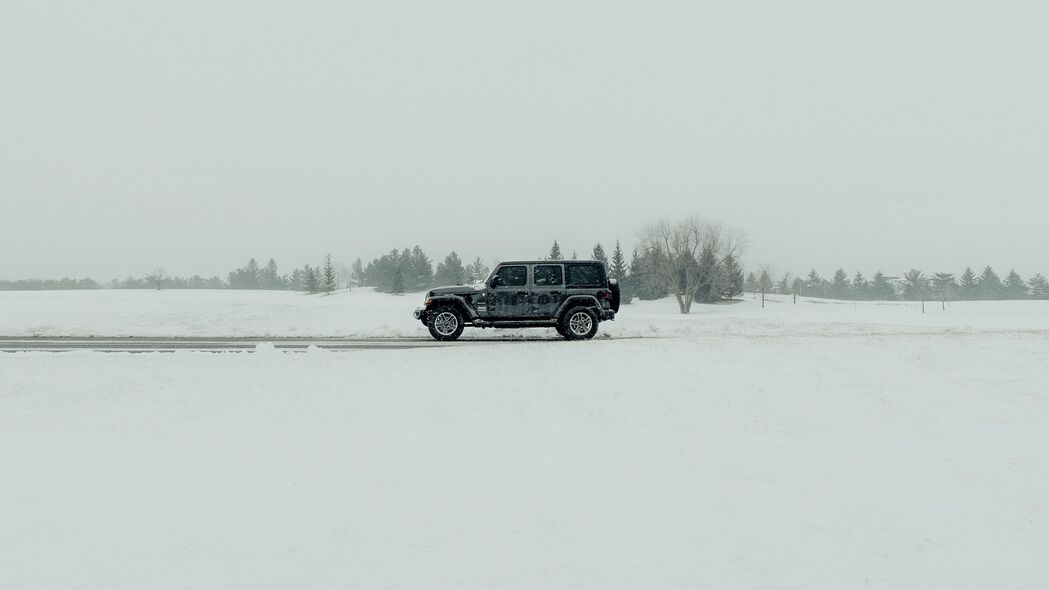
(584, 275)
(547, 274)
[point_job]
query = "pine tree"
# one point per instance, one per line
(751, 283)
(397, 285)
(1015, 287)
(814, 286)
(710, 276)
(329, 282)
(881, 288)
(646, 282)
(379, 272)
(944, 286)
(1039, 287)
(555, 252)
(618, 268)
(478, 271)
(357, 275)
(294, 281)
(310, 280)
(418, 271)
(733, 283)
(969, 287)
(860, 288)
(839, 286)
(268, 277)
(450, 271)
(629, 284)
(599, 254)
(252, 274)
(990, 284)
(915, 285)
(764, 282)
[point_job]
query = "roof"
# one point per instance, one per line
(549, 261)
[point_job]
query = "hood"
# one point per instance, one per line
(458, 290)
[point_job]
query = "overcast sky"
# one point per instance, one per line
(194, 135)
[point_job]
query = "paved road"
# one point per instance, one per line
(137, 344)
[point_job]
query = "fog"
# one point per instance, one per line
(194, 135)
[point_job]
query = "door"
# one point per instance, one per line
(508, 292)
(548, 289)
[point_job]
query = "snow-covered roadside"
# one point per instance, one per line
(808, 461)
(364, 313)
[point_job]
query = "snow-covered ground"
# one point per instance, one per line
(364, 313)
(817, 445)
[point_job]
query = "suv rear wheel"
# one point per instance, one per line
(445, 323)
(580, 323)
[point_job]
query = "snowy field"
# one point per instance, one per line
(364, 313)
(817, 445)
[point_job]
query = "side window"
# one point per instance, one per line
(584, 275)
(547, 275)
(513, 276)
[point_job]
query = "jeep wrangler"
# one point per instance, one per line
(572, 296)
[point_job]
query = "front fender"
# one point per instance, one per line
(456, 300)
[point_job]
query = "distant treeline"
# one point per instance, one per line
(64, 284)
(914, 285)
(692, 260)
(322, 278)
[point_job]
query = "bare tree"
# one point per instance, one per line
(944, 284)
(157, 277)
(692, 253)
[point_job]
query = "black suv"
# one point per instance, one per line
(569, 295)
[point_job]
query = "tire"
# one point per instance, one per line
(579, 323)
(445, 323)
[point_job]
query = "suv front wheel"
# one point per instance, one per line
(580, 323)
(445, 323)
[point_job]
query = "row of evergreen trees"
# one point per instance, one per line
(410, 270)
(914, 285)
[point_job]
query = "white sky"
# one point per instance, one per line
(193, 135)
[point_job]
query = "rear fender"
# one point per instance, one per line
(584, 300)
